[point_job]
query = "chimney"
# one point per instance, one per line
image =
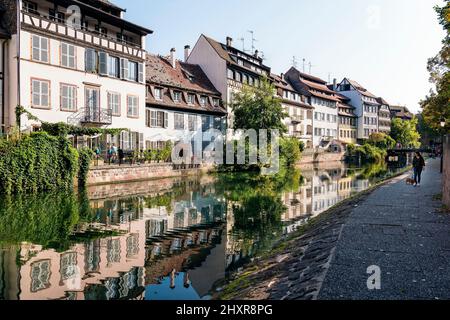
(282, 76)
(256, 54)
(229, 42)
(172, 57)
(187, 49)
(334, 84)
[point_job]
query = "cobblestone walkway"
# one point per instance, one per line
(400, 229)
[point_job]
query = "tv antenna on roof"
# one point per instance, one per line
(263, 57)
(253, 40)
(243, 43)
(294, 62)
(304, 61)
(310, 66)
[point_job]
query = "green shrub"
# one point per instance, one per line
(85, 156)
(37, 162)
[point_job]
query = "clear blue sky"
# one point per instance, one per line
(382, 44)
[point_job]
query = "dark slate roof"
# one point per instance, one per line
(361, 89)
(380, 100)
(310, 85)
(185, 77)
(224, 52)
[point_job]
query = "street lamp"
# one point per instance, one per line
(443, 123)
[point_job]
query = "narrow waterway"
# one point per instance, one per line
(159, 240)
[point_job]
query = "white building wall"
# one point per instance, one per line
(215, 68)
(57, 75)
(326, 125)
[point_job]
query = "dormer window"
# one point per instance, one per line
(216, 102)
(101, 30)
(158, 94)
(177, 96)
(57, 16)
(293, 96)
(203, 100)
(191, 99)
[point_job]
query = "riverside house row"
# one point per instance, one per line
(97, 73)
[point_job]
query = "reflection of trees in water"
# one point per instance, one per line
(44, 219)
(257, 207)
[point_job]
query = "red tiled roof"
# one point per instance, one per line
(186, 78)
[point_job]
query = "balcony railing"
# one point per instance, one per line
(90, 37)
(90, 116)
(297, 119)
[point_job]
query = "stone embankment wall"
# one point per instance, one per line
(309, 157)
(126, 173)
(446, 177)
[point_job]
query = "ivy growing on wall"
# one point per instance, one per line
(37, 162)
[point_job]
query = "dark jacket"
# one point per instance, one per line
(418, 163)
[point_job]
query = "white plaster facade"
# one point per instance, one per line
(44, 63)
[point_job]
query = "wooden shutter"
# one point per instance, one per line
(141, 72)
(103, 63)
(123, 68)
(91, 60)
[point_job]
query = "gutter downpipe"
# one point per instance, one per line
(18, 56)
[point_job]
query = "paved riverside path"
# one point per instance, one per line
(400, 229)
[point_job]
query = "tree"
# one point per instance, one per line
(258, 108)
(381, 140)
(405, 132)
(436, 106)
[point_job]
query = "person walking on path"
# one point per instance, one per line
(419, 165)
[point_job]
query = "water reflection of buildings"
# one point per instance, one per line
(126, 249)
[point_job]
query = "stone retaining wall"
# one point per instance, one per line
(310, 157)
(446, 177)
(126, 173)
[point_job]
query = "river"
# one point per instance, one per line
(168, 239)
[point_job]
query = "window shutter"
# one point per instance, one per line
(103, 63)
(64, 55)
(166, 120)
(141, 72)
(153, 120)
(91, 60)
(123, 68)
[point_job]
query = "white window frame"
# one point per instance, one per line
(41, 94)
(114, 103)
(68, 60)
(68, 103)
(179, 121)
(132, 106)
(38, 51)
(158, 96)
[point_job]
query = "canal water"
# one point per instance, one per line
(167, 239)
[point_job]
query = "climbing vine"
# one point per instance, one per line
(37, 162)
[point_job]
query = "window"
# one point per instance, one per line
(230, 74)
(192, 119)
(157, 119)
(92, 100)
(133, 106)
(133, 71)
(286, 94)
(40, 93)
(56, 16)
(68, 97)
(113, 67)
(203, 100)
(245, 79)
(293, 96)
(30, 7)
(114, 103)
(40, 48)
(179, 121)
(68, 55)
(206, 124)
(238, 76)
(216, 102)
(177, 96)
(91, 60)
(191, 99)
(158, 94)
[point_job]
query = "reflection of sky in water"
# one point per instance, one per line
(163, 291)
